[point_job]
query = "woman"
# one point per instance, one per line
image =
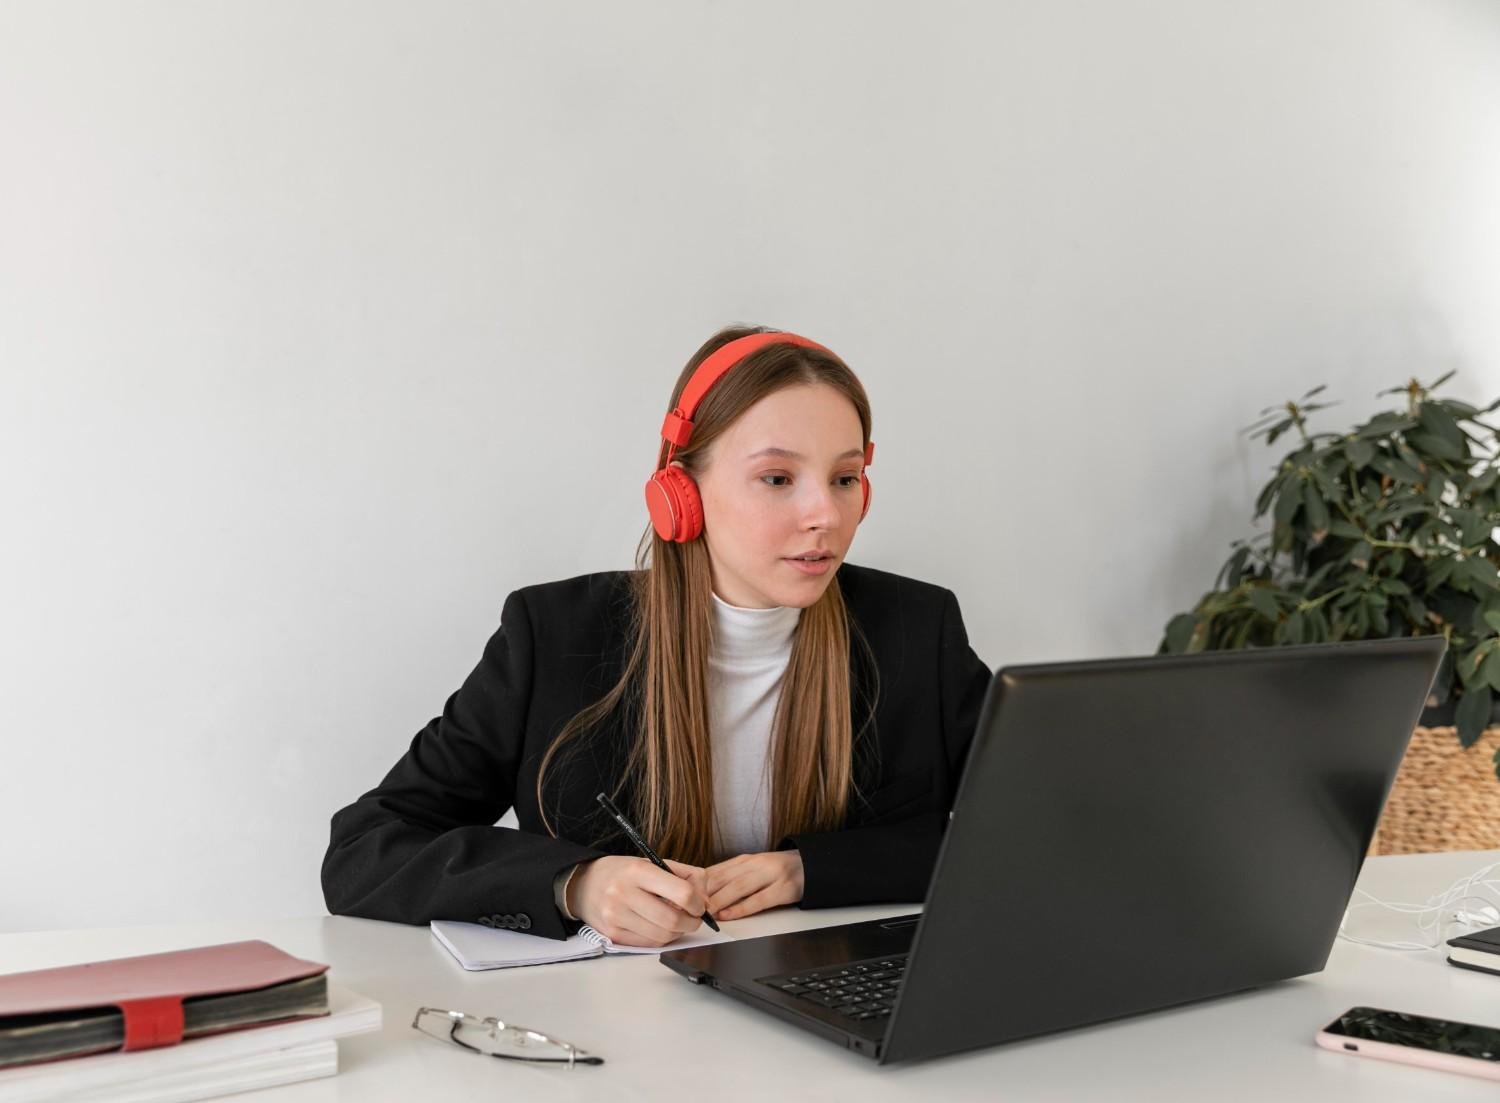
(787, 730)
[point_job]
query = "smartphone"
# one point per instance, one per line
(1415, 1040)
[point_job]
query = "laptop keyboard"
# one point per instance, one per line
(860, 990)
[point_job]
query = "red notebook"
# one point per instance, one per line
(150, 990)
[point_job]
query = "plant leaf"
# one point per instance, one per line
(1390, 516)
(1440, 572)
(1180, 632)
(1267, 492)
(1289, 500)
(1483, 481)
(1473, 713)
(1473, 525)
(1329, 485)
(1264, 603)
(1383, 425)
(1439, 422)
(1317, 512)
(1314, 580)
(1482, 572)
(1236, 567)
(1436, 446)
(1360, 452)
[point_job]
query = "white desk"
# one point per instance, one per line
(664, 1037)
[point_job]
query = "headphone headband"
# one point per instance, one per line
(678, 424)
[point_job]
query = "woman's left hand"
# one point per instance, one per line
(748, 883)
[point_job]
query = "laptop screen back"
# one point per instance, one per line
(1132, 834)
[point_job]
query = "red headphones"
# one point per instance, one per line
(671, 494)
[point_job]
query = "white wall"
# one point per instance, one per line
(323, 326)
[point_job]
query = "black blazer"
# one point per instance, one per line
(422, 844)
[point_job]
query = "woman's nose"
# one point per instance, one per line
(820, 506)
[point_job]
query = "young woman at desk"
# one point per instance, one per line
(787, 726)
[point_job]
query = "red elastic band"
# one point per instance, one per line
(151, 1023)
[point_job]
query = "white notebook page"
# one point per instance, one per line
(476, 946)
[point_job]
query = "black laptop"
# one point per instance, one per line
(1128, 835)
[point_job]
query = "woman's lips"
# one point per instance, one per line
(821, 566)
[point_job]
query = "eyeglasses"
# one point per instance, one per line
(497, 1039)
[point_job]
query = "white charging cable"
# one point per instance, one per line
(1441, 916)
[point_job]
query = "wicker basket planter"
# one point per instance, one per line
(1444, 797)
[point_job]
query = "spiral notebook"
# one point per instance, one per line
(476, 946)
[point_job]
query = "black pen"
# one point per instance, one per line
(635, 837)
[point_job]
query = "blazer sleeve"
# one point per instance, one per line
(422, 844)
(892, 863)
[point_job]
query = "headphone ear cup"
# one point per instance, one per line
(676, 509)
(659, 505)
(689, 504)
(864, 482)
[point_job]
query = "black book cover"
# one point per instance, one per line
(1487, 940)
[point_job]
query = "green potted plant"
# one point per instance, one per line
(1384, 530)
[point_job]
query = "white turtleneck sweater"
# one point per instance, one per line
(748, 656)
(745, 666)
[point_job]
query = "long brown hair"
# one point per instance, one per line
(663, 693)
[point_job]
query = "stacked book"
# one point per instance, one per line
(183, 1025)
(1480, 950)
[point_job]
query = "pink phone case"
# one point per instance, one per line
(1409, 1055)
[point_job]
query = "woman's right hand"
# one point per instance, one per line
(632, 902)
